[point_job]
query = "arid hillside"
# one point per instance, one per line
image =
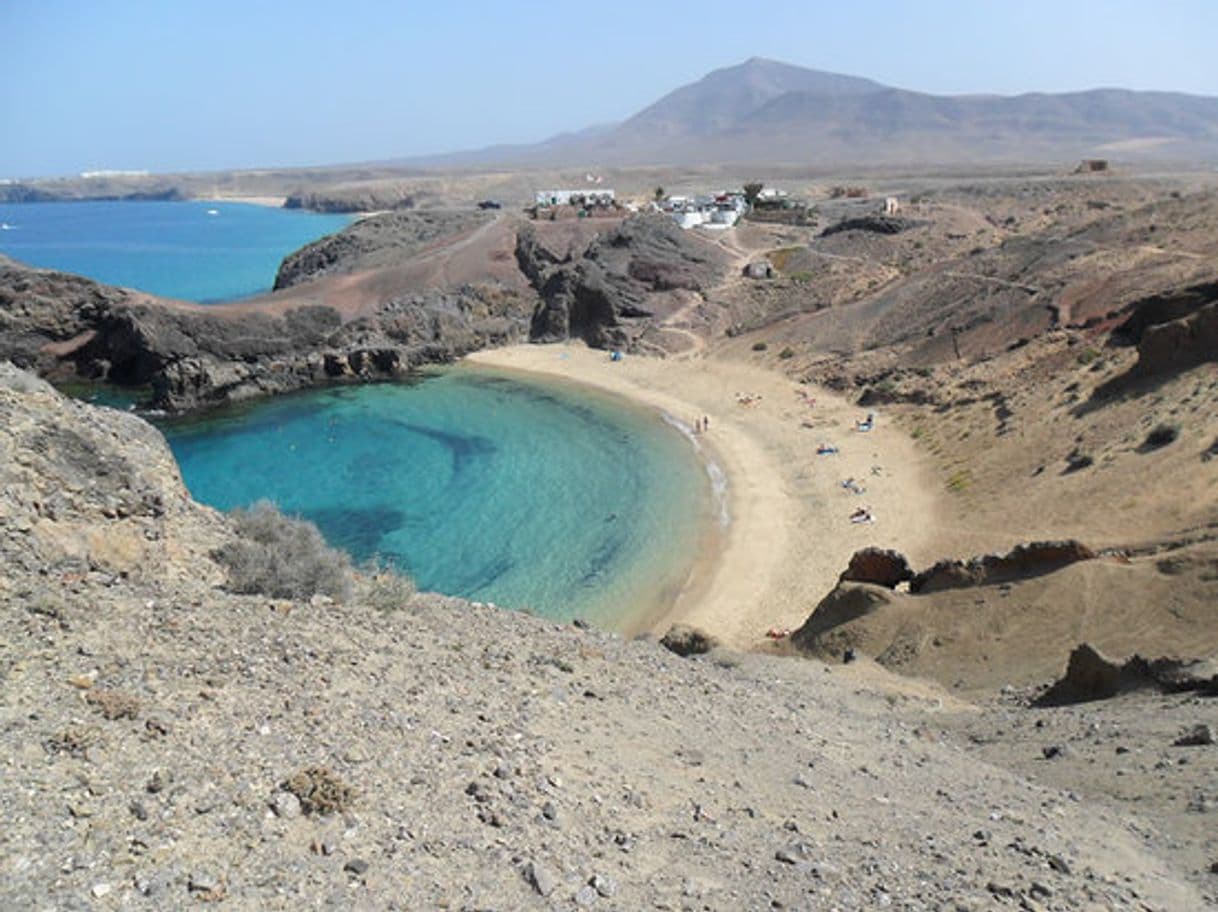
(1051, 348)
(168, 741)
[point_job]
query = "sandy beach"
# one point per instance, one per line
(789, 534)
(274, 202)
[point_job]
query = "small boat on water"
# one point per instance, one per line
(213, 211)
(5, 226)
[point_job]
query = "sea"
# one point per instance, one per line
(195, 251)
(489, 485)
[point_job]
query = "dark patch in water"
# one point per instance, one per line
(462, 450)
(484, 577)
(602, 559)
(358, 532)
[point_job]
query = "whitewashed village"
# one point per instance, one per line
(717, 210)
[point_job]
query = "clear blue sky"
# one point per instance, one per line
(189, 85)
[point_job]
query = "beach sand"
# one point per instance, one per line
(274, 202)
(789, 536)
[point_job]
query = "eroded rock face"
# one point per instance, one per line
(1021, 562)
(879, 566)
(87, 490)
(1180, 343)
(1092, 676)
(602, 295)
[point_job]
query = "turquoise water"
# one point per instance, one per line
(177, 250)
(476, 483)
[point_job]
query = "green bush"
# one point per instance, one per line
(282, 557)
(787, 352)
(760, 346)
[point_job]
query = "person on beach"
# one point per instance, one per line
(705, 423)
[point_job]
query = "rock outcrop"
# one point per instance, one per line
(373, 242)
(603, 296)
(1021, 562)
(879, 566)
(874, 224)
(1091, 676)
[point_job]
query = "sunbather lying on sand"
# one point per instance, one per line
(862, 515)
(826, 449)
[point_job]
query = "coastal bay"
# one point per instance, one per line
(788, 534)
(519, 491)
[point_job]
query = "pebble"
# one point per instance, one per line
(203, 882)
(1059, 864)
(100, 890)
(285, 805)
(607, 886)
(540, 878)
(356, 866)
(792, 854)
(586, 896)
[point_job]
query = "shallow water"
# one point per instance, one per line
(177, 250)
(475, 482)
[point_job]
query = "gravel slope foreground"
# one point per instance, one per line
(152, 726)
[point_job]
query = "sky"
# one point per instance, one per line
(185, 85)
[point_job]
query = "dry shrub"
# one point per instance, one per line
(75, 741)
(113, 704)
(319, 791)
(282, 557)
(388, 590)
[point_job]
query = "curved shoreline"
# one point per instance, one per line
(790, 535)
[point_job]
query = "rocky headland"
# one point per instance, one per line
(389, 294)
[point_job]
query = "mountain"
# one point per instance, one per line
(766, 111)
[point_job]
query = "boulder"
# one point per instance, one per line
(880, 566)
(687, 641)
(759, 269)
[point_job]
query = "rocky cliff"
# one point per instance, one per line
(190, 356)
(166, 742)
(606, 295)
